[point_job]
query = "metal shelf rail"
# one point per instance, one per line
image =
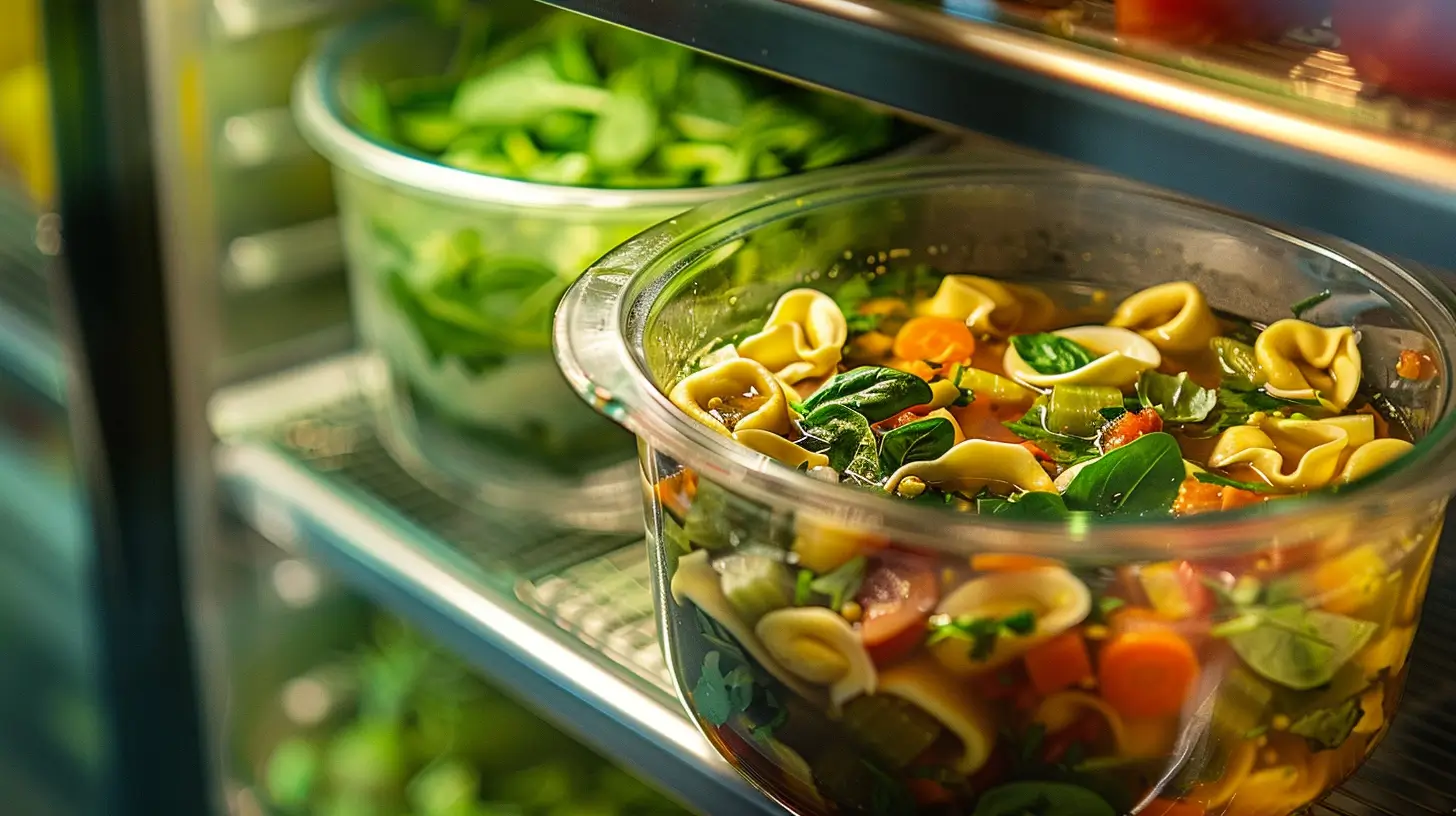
(566, 620)
(1257, 152)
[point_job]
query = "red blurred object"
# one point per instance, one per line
(1402, 46)
(897, 596)
(1195, 22)
(1129, 427)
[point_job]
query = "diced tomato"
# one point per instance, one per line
(1130, 426)
(1204, 21)
(928, 792)
(1089, 729)
(1415, 365)
(905, 417)
(898, 594)
(1401, 45)
(1006, 683)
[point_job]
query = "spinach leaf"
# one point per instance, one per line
(1176, 399)
(1300, 648)
(1235, 407)
(1037, 506)
(1041, 799)
(711, 694)
(1064, 449)
(1209, 477)
(719, 519)
(837, 431)
(917, 441)
(1328, 728)
(874, 392)
(1051, 353)
(841, 582)
(1139, 479)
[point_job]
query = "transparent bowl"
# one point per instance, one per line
(1239, 744)
(488, 411)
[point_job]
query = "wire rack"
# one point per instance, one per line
(597, 588)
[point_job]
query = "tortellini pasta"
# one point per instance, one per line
(920, 682)
(1065, 709)
(1303, 361)
(696, 581)
(1056, 597)
(776, 447)
(820, 647)
(1175, 317)
(1001, 467)
(803, 338)
(822, 544)
(989, 306)
(1122, 355)
(735, 395)
(1306, 454)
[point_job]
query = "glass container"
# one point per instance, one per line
(819, 729)
(475, 400)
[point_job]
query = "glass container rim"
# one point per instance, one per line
(319, 110)
(664, 252)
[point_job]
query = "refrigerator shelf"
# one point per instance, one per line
(565, 620)
(1276, 130)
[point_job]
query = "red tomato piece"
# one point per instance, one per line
(1130, 426)
(1401, 45)
(898, 594)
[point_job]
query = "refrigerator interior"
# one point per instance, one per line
(316, 543)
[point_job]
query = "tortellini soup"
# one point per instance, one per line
(881, 678)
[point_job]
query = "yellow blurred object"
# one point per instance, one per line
(20, 34)
(25, 130)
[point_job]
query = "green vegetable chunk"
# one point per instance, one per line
(1051, 353)
(1076, 410)
(917, 441)
(1064, 449)
(1240, 367)
(1328, 728)
(1042, 799)
(755, 585)
(292, 772)
(895, 730)
(1139, 479)
(1176, 399)
(874, 392)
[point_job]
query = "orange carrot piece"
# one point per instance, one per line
(919, 368)
(1059, 663)
(1236, 497)
(1415, 365)
(1010, 562)
(1147, 674)
(676, 492)
(934, 339)
(1197, 497)
(1171, 807)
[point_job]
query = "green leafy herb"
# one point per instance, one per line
(1328, 728)
(1295, 647)
(1051, 353)
(1037, 506)
(1139, 479)
(1235, 407)
(983, 632)
(839, 432)
(1309, 303)
(710, 694)
(842, 582)
(1041, 799)
(1104, 606)
(874, 392)
(1209, 477)
(1176, 399)
(917, 441)
(1064, 449)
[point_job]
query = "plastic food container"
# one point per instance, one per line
(496, 417)
(809, 735)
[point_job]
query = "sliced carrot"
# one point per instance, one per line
(1197, 497)
(1129, 427)
(935, 339)
(1147, 674)
(1041, 455)
(1172, 807)
(1010, 562)
(928, 792)
(1415, 365)
(919, 368)
(1236, 497)
(1059, 663)
(676, 492)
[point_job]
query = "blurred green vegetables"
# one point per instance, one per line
(412, 733)
(565, 100)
